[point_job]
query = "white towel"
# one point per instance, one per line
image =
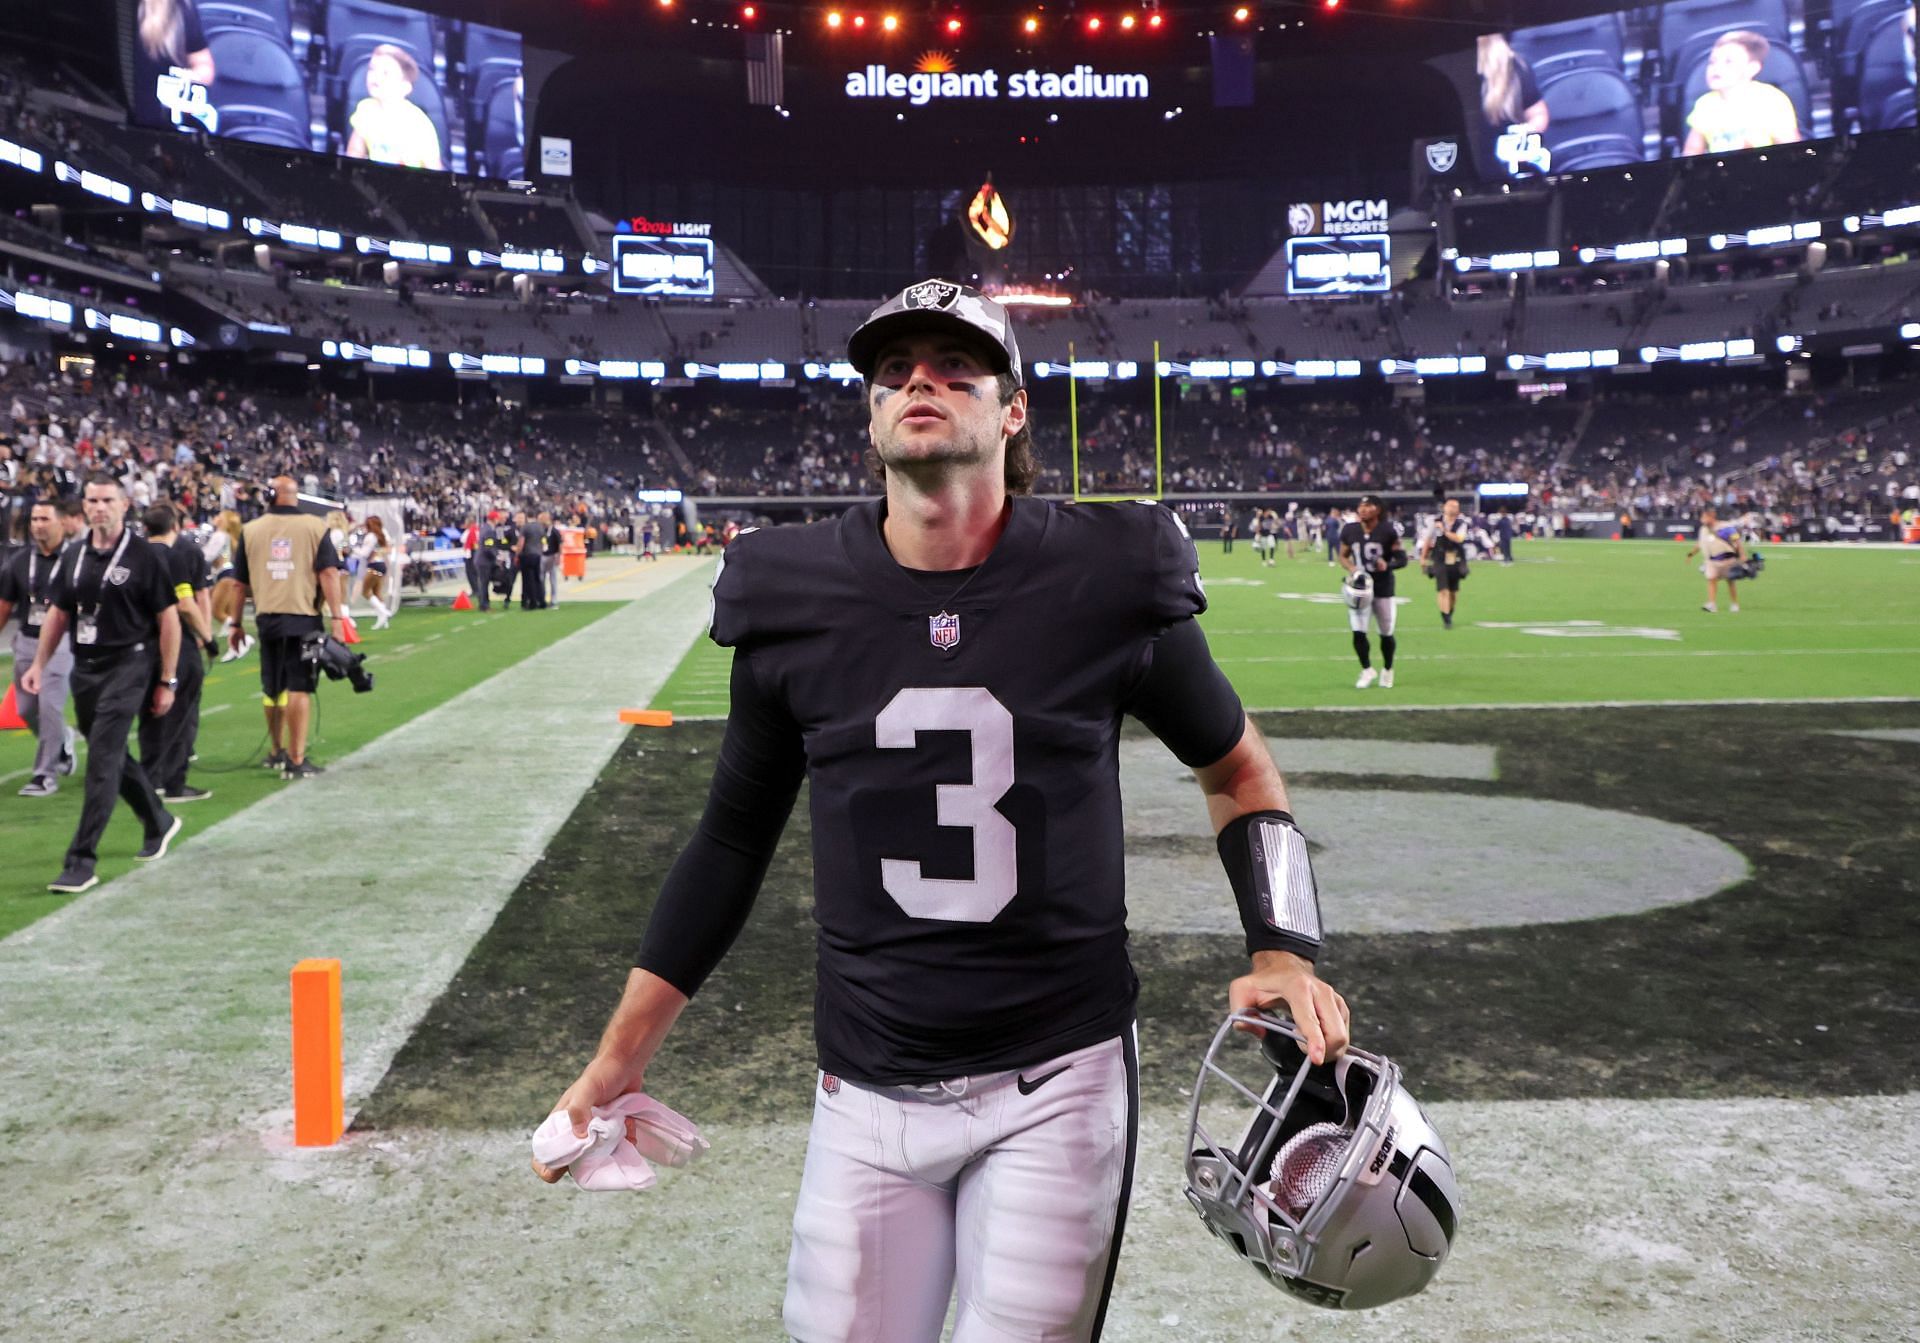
(622, 1139)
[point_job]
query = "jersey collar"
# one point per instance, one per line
(894, 587)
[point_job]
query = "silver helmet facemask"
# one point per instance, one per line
(1338, 1189)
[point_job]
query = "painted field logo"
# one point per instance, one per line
(1581, 629)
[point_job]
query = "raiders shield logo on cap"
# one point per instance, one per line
(932, 294)
(943, 630)
(1442, 154)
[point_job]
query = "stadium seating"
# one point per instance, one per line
(1596, 122)
(273, 17)
(259, 91)
(1555, 50)
(1886, 92)
(355, 27)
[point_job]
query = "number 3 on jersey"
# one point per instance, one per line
(989, 728)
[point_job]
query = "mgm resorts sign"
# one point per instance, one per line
(937, 79)
(1327, 218)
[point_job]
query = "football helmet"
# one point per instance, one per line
(1358, 589)
(1338, 1189)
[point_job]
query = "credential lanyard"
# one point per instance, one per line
(100, 589)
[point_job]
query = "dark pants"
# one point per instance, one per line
(533, 590)
(483, 582)
(106, 698)
(166, 743)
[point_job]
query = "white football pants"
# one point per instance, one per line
(1009, 1188)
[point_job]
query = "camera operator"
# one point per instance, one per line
(166, 743)
(114, 594)
(285, 558)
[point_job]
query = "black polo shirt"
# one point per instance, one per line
(123, 596)
(188, 564)
(27, 581)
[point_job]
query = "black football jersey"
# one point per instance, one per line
(1370, 549)
(969, 890)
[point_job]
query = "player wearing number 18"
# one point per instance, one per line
(949, 668)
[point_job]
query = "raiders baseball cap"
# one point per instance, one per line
(934, 305)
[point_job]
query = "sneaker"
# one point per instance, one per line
(186, 793)
(1446, 620)
(1709, 608)
(1367, 677)
(68, 759)
(156, 847)
(306, 769)
(275, 761)
(40, 785)
(74, 880)
(1386, 679)
(1734, 607)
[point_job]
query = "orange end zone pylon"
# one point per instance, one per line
(319, 1114)
(647, 717)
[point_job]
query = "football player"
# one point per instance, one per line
(1372, 546)
(1443, 553)
(947, 667)
(1266, 535)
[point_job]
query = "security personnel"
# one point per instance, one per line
(507, 556)
(166, 744)
(285, 558)
(26, 585)
(113, 595)
(483, 561)
(531, 555)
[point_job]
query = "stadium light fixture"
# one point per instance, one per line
(859, 20)
(748, 11)
(1242, 14)
(1093, 23)
(953, 25)
(1154, 20)
(835, 18)
(891, 22)
(1030, 26)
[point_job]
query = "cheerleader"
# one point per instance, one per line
(371, 550)
(221, 546)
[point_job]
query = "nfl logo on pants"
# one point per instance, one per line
(943, 630)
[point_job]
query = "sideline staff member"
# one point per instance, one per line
(114, 593)
(26, 586)
(284, 557)
(166, 744)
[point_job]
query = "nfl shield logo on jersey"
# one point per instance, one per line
(943, 630)
(282, 548)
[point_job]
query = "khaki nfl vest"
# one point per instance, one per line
(280, 552)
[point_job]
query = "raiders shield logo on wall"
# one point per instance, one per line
(932, 294)
(1442, 155)
(943, 630)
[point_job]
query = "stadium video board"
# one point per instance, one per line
(1682, 78)
(360, 78)
(1327, 267)
(666, 267)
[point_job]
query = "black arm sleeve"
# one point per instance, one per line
(1185, 699)
(707, 896)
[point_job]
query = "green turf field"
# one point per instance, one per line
(1569, 621)
(412, 674)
